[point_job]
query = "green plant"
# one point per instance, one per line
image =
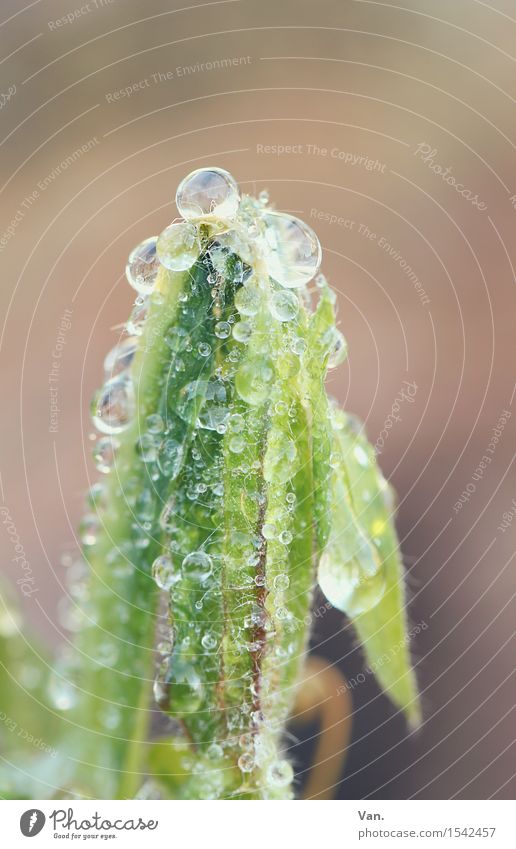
(230, 479)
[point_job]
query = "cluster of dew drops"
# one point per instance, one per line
(287, 251)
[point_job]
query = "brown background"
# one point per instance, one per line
(369, 78)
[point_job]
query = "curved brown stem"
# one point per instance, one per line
(323, 696)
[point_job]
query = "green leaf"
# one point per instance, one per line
(361, 570)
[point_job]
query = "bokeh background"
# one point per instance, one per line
(414, 88)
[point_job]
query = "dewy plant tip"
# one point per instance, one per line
(231, 484)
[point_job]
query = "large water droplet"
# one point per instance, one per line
(197, 566)
(281, 582)
(143, 266)
(113, 405)
(209, 641)
(179, 246)
(247, 300)
(242, 331)
(253, 380)
(179, 678)
(163, 572)
(284, 306)
(346, 586)
(222, 329)
(120, 357)
(208, 192)
(293, 251)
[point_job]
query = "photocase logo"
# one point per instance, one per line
(31, 822)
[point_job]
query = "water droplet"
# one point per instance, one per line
(107, 654)
(242, 331)
(208, 192)
(269, 530)
(89, 528)
(222, 329)
(214, 752)
(164, 647)
(113, 405)
(146, 448)
(246, 741)
(236, 423)
(247, 300)
(335, 459)
(208, 641)
(163, 572)
(263, 197)
(204, 349)
(155, 423)
(236, 443)
(280, 774)
(281, 582)
(212, 417)
(293, 251)
(284, 306)
(170, 458)
(246, 762)
(288, 365)
(285, 537)
(136, 321)
(298, 345)
(291, 498)
(339, 349)
(346, 585)
(185, 687)
(252, 381)
(104, 453)
(143, 266)
(161, 686)
(179, 246)
(120, 357)
(197, 566)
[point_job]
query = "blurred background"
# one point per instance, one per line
(390, 129)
